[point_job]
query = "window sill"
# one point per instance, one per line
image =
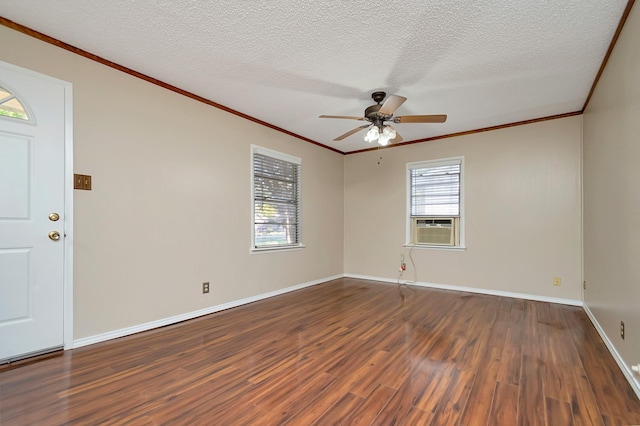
(426, 246)
(276, 249)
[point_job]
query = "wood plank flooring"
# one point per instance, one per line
(348, 352)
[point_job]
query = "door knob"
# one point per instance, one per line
(54, 235)
(54, 217)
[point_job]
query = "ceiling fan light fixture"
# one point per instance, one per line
(389, 132)
(381, 134)
(372, 134)
(386, 135)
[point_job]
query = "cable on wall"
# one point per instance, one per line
(405, 284)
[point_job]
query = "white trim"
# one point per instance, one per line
(635, 384)
(194, 314)
(581, 182)
(68, 215)
(277, 249)
(513, 295)
(427, 246)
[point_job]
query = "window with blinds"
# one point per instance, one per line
(276, 199)
(435, 202)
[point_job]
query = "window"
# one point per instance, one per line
(435, 203)
(10, 106)
(276, 200)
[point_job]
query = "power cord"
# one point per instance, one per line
(406, 283)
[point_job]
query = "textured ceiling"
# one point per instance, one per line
(285, 62)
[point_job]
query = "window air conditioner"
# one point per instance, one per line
(434, 231)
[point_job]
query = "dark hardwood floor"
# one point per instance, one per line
(344, 352)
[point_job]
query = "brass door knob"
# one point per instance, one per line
(53, 217)
(54, 235)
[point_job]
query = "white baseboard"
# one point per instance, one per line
(562, 301)
(190, 315)
(635, 385)
(616, 356)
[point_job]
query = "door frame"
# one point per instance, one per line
(68, 215)
(68, 197)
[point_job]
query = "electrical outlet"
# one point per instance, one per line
(205, 288)
(557, 281)
(622, 329)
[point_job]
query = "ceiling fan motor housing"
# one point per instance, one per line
(371, 113)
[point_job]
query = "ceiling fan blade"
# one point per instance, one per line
(351, 132)
(392, 103)
(348, 117)
(438, 118)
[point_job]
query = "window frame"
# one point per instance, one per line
(409, 218)
(255, 149)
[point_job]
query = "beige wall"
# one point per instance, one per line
(170, 205)
(612, 195)
(522, 210)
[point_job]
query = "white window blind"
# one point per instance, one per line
(276, 200)
(435, 189)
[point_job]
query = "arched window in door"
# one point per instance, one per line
(10, 106)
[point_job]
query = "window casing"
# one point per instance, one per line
(435, 203)
(275, 189)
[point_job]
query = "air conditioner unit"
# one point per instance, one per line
(434, 231)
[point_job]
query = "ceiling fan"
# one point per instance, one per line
(377, 114)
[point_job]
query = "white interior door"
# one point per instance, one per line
(32, 177)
